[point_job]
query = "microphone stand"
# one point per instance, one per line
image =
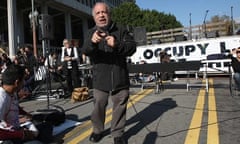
(48, 77)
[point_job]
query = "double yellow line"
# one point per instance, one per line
(196, 123)
(134, 98)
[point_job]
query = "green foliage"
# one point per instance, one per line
(129, 13)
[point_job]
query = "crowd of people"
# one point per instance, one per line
(62, 65)
(26, 59)
(19, 80)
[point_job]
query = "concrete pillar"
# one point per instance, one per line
(68, 27)
(20, 29)
(12, 38)
(85, 27)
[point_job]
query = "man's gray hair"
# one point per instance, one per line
(97, 3)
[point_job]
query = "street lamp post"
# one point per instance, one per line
(204, 22)
(190, 26)
(33, 19)
(232, 22)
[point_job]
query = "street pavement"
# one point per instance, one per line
(172, 116)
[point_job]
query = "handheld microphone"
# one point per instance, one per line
(102, 31)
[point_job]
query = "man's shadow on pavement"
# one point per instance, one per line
(146, 116)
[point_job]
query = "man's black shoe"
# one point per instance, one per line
(95, 137)
(119, 140)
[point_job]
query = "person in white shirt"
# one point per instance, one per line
(69, 58)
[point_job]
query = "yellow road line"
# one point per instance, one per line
(86, 133)
(195, 126)
(88, 123)
(213, 132)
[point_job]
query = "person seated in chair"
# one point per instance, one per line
(145, 77)
(10, 111)
(235, 57)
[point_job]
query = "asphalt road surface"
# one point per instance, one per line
(172, 116)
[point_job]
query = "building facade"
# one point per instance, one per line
(69, 18)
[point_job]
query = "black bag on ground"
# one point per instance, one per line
(45, 132)
(55, 116)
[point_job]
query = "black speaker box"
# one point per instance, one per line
(46, 27)
(139, 34)
(180, 38)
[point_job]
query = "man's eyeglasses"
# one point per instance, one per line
(238, 52)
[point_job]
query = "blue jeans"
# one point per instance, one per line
(237, 79)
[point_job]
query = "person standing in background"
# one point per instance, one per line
(76, 45)
(69, 58)
(108, 45)
(32, 61)
(166, 58)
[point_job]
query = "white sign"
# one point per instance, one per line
(187, 50)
